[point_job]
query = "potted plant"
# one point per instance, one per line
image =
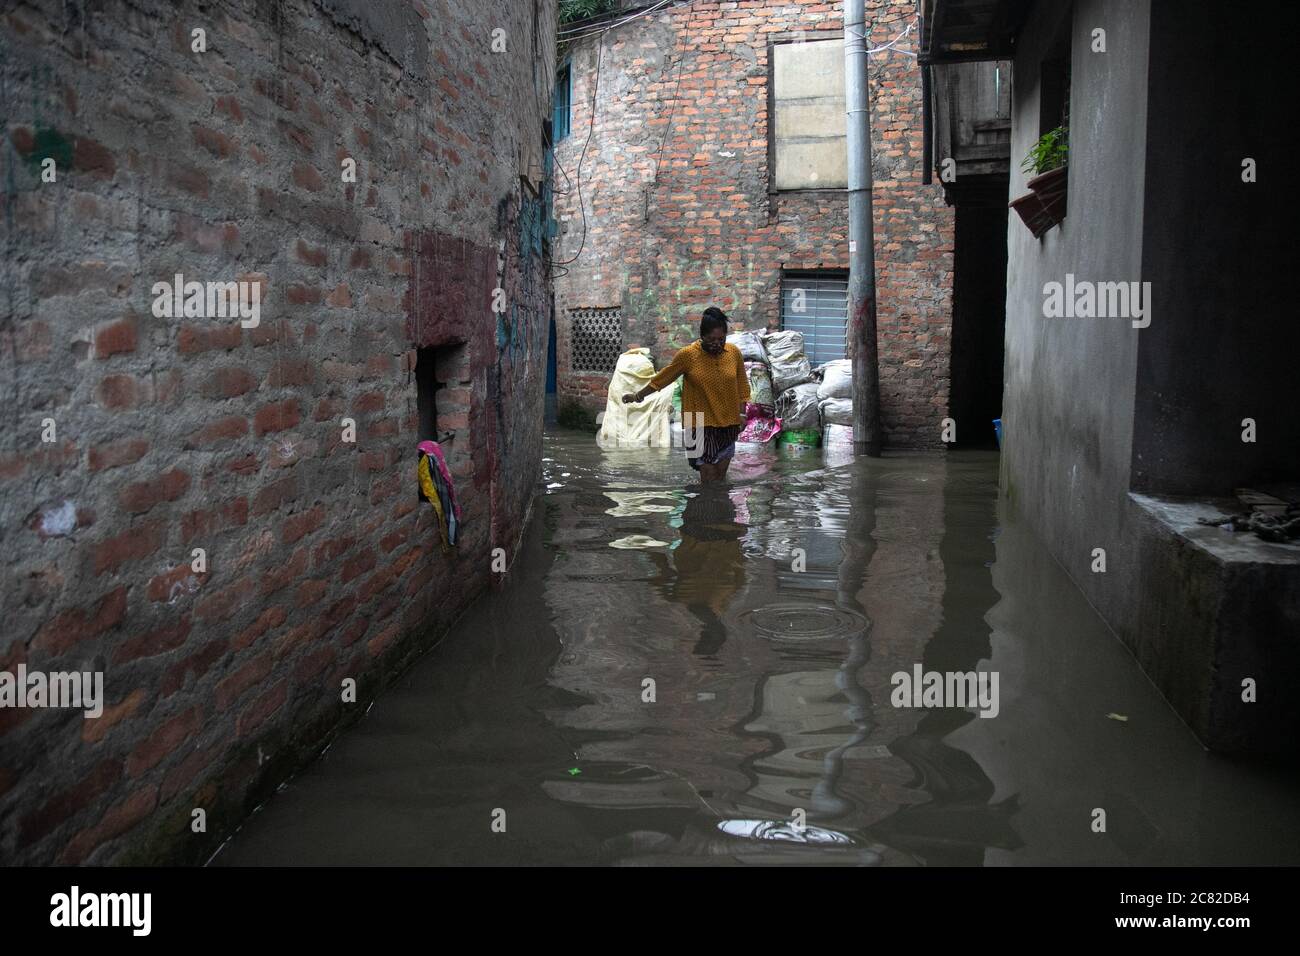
(1044, 205)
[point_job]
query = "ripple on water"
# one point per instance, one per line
(794, 621)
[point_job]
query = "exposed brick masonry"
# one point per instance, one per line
(707, 231)
(183, 433)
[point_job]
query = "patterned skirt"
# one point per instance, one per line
(718, 445)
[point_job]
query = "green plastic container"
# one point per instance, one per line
(800, 437)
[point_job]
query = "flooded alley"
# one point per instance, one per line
(683, 675)
(451, 440)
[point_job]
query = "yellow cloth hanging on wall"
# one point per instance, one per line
(431, 494)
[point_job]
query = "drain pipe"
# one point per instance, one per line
(926, 155)
(927, 118)
(862, 260)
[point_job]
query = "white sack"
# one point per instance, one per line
(785, 355)
(837, 379)
(837, 435)
(760, 384)
(797, 407)
(750, 345)
(640, 423)
(837, 411)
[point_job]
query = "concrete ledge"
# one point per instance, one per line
(1216, 608)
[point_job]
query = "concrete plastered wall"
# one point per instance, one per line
(1069, 382)
(1219, 253)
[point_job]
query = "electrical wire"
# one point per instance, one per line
(886, 46)
(591, 29)
(591, 128)
(579, 33)
(672, 108)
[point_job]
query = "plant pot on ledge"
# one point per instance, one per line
(1033, 214)
(1050, 188)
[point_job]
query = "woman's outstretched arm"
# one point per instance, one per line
(665, 376)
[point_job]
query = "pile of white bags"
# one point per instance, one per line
(803, 398)
(835, 394)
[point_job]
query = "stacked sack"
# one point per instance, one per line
(788, 396)
(761, 422)
(785, 356)
(794, 385)
(835, 393)
(835, 401)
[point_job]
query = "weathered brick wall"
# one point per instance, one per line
(707, 231)
(180, 433)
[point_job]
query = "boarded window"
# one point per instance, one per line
(816, 304)
(597, 339)
(809, 146)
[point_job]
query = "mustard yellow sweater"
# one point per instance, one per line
(715, 386)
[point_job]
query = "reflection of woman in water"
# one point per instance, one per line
(714, 392)
(707, 563)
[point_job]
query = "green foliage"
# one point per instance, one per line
(573, 10)
(1051, 151)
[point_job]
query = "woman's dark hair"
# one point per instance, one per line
(713, 318)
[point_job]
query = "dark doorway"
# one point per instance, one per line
(550, 372)
(979, 311)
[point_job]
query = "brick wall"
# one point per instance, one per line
(686, 90)
(173, 434)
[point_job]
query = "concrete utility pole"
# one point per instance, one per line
(867, 438)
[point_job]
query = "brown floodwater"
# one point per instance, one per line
(677, 675)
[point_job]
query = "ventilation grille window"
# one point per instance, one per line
(597, 339)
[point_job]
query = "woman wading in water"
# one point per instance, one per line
(714, 394)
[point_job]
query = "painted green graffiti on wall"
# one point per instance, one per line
(681, 298)
(49, 143)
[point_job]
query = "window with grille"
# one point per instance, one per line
(597, 339)
(817, 305)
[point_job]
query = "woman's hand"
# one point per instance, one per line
(628, 398)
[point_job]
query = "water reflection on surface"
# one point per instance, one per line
(770, 616)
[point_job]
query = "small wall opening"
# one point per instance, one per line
(426, 387)
(1054, 81)
(443, 398)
